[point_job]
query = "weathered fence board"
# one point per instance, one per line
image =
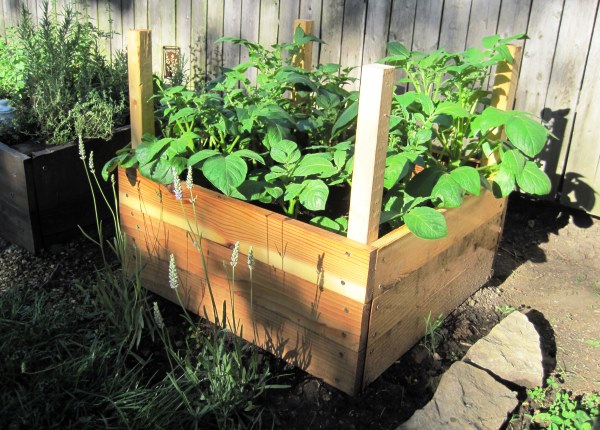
(355, 32)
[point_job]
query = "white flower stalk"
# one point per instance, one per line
(235, 254)
(177, 185)
(91, 163)
(173, 280)
(158, 319)
(189, 179)
(251, 259)
(81, 149)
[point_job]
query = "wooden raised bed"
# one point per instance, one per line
(342, 309)
(45, 194)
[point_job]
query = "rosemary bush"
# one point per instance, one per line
(66, 75)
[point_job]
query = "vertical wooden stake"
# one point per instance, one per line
(505, 88)
(371, 147)
(304, 58)
(139, 62)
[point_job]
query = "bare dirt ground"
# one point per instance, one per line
(548, 261)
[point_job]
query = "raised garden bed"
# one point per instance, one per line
(45, 194)
(342, 309)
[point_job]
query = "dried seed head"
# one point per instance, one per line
(189, 179)
(235, 254)
(251, 258)
(177, 185)
(158, 319)
(173, 280)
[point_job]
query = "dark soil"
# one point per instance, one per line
(548, 262)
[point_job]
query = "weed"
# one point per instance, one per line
(433, 336)
(505, 310)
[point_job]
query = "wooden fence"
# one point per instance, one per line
(559, 79)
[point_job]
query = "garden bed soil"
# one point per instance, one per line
(547, 261)
(45, 194)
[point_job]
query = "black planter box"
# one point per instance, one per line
(45, 194)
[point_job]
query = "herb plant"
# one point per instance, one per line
(63, 74)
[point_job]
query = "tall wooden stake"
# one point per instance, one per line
(304, 58)
(371, 147)
(505, 88)
(139, 61)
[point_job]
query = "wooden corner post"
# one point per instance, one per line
(505, 89)
(139, 64)
(372, 131)
(304, 58)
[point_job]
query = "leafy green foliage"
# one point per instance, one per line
(565, 411)
(440, 126)
(63, 85)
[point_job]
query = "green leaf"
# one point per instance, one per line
(422, 184)
(448, 191)
(468, 178)
(426, 102)
(314, 195)
(513, 162)
(526, 134)
(426, 223)
(247, 153)
(396, 168)
(284, 151)
(345, 119)
(490, 118)
(225, 173)
(532, 180)
(150, 147)
(200, 156)
(329, 224)
(315, 164)
(455, 110)
(503, 184)
(490, 41)
(397, 49)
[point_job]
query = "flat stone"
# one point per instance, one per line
(466, 398)
(511, 351)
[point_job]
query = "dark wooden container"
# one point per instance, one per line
(45, 195)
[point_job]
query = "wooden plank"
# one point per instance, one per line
(12, 11)
(269, 22)
(155, 16)
(61, 209)
(18, 209)
(232, 28)
(376, 32)
(141, 108)
(289, 11)
(483, 20)
(297, 248)
(106, 24)
(198, 42)
(118, 39)
(537, 59)
(128, 18)
(183, 34)
(371, 149)
(3, 24)
(455, 22)
(140, 14)
(395, 262)
(168, 29)
(311, 9)
(582, 172)
(334, 316)
(214, 30)
(305, 56)
(427, 25)
(272, 331)
(567, 73)
(331, 31)
(402, 24)
(514, 18)
(353, 37)
(437, 287)
(249, 31)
